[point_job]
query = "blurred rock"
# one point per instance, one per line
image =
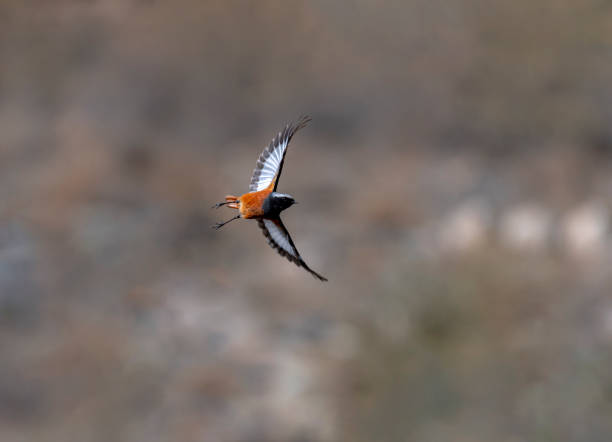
(585, 230)
(465, 228)
(526, 227)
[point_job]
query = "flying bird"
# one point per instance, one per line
(264, 204)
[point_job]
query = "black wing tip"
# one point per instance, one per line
(319, 277)
(302, 264)
(301, 122)
(304, 119)
(293, 126)
(297, 260)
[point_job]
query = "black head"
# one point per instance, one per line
(276, 202)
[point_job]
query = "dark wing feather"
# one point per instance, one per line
(270, 163)
(279, 239)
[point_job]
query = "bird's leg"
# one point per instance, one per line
(226, 203)
(228, 199)
(219, 225)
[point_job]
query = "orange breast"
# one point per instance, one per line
(251, 204)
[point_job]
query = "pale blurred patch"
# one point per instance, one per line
(585, 230)
(526, 227)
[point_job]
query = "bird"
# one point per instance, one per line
(264, 204)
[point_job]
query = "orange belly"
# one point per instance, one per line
(251, 204)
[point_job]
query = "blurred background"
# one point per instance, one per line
(454, 186)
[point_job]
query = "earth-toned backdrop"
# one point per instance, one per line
(454, 186)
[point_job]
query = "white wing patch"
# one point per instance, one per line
(270, 162)
(281, 237)
(275, 232)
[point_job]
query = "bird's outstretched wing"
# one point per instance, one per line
(278, 237)
(270, 163)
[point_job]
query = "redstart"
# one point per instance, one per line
(264, 203)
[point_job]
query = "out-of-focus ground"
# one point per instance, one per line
(454, 186)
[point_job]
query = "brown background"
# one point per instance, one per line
(454, 187)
